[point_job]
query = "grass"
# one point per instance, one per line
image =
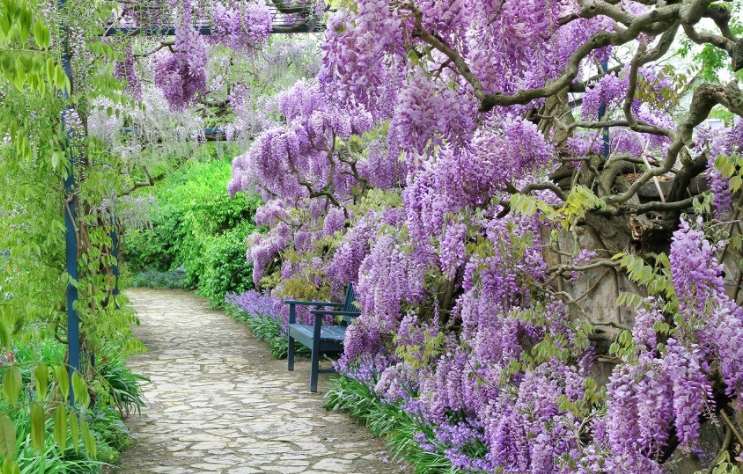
(391, 422)
(123, 386)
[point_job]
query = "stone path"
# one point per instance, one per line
(218, 403)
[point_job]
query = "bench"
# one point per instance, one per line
(319, 338)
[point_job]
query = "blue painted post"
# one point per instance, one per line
(292, 320)
(115, 254)
(115, 268)
(602, 112)
(73, 320)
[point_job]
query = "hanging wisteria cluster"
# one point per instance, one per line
(180, 70)
(241, 26)
(441, 161)
(182, 75)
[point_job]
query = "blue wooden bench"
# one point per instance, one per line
(319, 338)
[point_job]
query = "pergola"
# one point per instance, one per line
(287, 18)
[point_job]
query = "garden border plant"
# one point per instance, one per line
(264, 327)
(404, 434)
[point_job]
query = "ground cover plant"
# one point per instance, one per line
(489, 175)
(388, 420)
(267, 318)
(113, 394)
(152, 278)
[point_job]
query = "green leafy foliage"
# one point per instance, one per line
(196, 225)
(580, 200)
(41, 150)
(725, 465)
(39, 432)
(123, 385)
(731, 168)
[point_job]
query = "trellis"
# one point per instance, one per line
(295, 19)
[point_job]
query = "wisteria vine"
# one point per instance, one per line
(449, 162)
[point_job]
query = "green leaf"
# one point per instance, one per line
(88, 439)
(6, 64)
(4, 25)
(60, 428)
(25, 21)
(41, 378)
(5, 335)
(7, 437)
(38, 430)
(63, 380)
(735, 183)
(56, 157)
(10, 467)
(19, 79)
(80, 390)
(50, 70)
(41, 34)
(60, 78)
(12, 383)
(74, 430)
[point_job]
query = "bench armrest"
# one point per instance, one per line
(314, 303)
(293, 307)
(322, 312)
(319, 313)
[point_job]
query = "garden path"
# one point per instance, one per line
(218, 403)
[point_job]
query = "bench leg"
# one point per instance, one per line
(290, 355)
(315, 364)
(315, 371)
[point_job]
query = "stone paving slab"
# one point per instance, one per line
(218, 403)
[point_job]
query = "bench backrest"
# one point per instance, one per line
(348, 304)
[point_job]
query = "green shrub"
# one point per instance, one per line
(122, 385)
(112, 436)
(195, 225)
(226, 269)
(153, 278)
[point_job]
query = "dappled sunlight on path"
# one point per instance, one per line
(218, 403)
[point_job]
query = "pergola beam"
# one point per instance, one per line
(311, 26)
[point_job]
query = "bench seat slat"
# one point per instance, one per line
(333, 335)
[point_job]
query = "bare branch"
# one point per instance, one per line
(661, 20)
(705, 98)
